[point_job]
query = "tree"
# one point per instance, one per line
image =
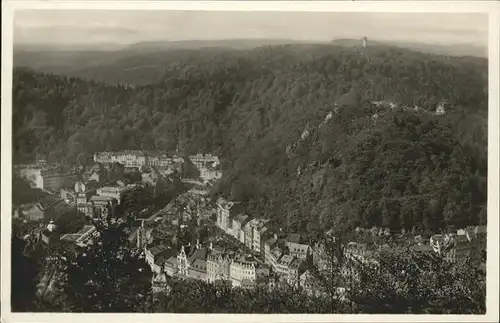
(409, 282)
(106, 276)
(24, 271)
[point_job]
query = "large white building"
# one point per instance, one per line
(241, 271)
(128, 158)
(54, 181)
(137, 158)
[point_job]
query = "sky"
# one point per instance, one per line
(95, 28)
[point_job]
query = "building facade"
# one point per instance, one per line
(55, 181)
(113, 192)
(241, 271)
(259, 231)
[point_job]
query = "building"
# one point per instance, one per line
(30, 173)
(223, 207)
(210, 174)
(159, 283)
(156, 256)
(114, 192)
(301, 251)
(54, 181)
(132, 236)
(242, 271)
(274, 257)
(128, 158)
(293, 271)
(320, 256)
(307, 281)
(34, 212)
(459, 250)
(268, 247)
(50, 233)
(282, 265)
(226, 211)
(214, 265)
(475, 234)
(358, 251)
(48, 207)
(192, 262)
(238, 223)
(95, 176)
(440, 243)
(296, 248)
(100, 205)
(440, 110)
(83, 197)
(218, 265)
(68, 195)
(159, 159)
(259, 230)
(82, 238)
(171, 266)
(248, 233)
(201, 160)
(144, 236)
(150, 178)
(207, 166)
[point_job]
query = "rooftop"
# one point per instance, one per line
(160, 260)
(172, 261)
(99, 198)
(158, 249)
(241, 218)
(293, 237)
(295, 264)
(110, 188)
(270, 242)
(199, 264)
(86, 229)
(286, 260)
(198, 254)
(72, 237)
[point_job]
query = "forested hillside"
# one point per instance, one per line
(366, 165)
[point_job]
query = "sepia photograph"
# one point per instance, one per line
(248, 162)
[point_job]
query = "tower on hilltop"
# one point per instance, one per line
(365, 41)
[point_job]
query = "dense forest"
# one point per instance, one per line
(367, 165)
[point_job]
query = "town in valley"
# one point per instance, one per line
(193, 237)
(284, 162)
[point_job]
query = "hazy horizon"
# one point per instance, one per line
(100, 28)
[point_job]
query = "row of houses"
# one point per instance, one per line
(46, 208)
(288, 257)
(231, 219)
(456, 247)
(140, 158)
(206, 164)
(208, 264)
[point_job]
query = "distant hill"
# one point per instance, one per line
(367, 165)
(145, 62)
(439, 49)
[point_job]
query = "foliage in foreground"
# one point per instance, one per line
(107, 277)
